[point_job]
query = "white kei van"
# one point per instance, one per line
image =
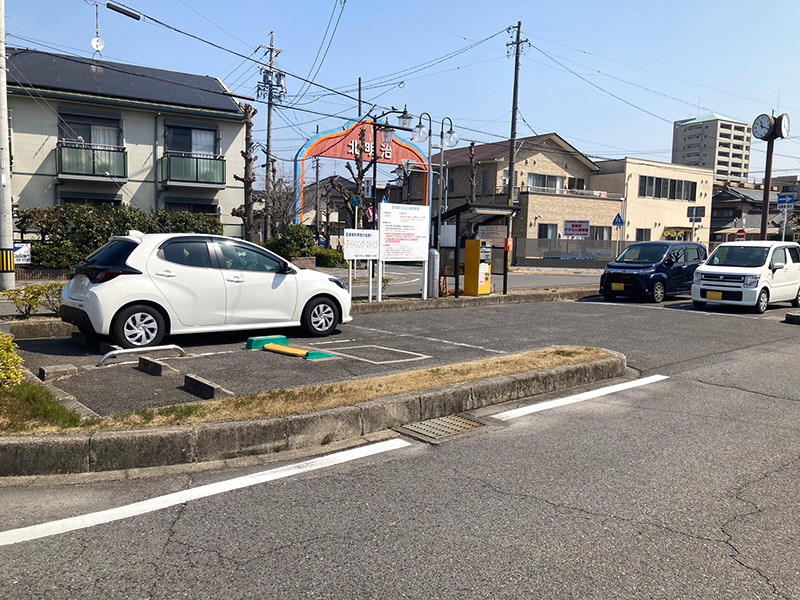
(753, 274)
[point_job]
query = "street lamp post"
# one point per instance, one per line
(420, 133)
(452, 140)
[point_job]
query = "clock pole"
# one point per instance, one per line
(767, 186)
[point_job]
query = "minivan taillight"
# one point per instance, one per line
(107, 275)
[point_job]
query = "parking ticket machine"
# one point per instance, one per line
(478, 268)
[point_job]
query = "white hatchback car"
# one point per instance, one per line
(752, 274)
(139, 287)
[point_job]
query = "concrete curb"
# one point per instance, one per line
(116, 450)
(514, 297)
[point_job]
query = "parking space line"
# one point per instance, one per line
(428, 339)
(415, 355)
(26, 534)
(590, 395)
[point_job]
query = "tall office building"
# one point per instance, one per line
(714, 142)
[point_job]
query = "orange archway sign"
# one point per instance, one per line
(344, 144)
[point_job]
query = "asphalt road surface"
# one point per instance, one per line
(682, 487)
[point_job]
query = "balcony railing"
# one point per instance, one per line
(80, 160)
(193, 170)
(529, 189)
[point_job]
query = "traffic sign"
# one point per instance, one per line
(617, 221)
(785, 201)
(355, 201)
(370, 214)
(695, 211)
(741, 235)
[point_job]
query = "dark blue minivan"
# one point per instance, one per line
(652, 270)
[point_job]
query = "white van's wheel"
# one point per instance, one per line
(796, 300)
(762, 302)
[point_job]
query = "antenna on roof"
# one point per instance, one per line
(97, 43)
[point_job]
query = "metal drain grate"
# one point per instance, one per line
(433, 430)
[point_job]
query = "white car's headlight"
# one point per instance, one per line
(751, 281)
(338, 282)
(697, 277)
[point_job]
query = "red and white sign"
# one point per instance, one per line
(403, 232)
(741, 235)
(579, 229)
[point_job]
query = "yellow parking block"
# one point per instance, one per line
(280, 349)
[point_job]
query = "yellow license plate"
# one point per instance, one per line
(713, 295)
(618, 287)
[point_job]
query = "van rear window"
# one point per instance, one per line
(114, 253)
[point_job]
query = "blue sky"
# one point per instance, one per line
(609, 77)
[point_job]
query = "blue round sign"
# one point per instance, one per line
(355, 201)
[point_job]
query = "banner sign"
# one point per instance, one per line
(404, 232)
(361, 244)
(578, 229)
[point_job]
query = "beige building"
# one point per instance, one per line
(92, 131)
(658, 197)
(714, 142)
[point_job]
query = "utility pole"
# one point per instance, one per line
(7, 278)
(512, 150)
(269, 86)
(250, 229)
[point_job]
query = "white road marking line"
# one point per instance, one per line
(25, 534)
(330, 342)
(413, 355)
(534, 408)
(429, 339)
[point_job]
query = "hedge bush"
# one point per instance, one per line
(69, 232)
(10, 363)
(331, 259)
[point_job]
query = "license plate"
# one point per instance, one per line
(713, 295)
(618, 287)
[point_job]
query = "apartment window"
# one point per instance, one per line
(724, 153)
(671, 189)
(737, 147)
(724, 125)
(739, 128)
(738, 137)
(547, 231)
(191, 140)
(723, 163)
(724, 145)
(726, 136)
(95, 131)
(576, 183)
(486, 187)
(552, 182)
(642, 235)
(599, 233)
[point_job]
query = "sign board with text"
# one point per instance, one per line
(785, 201)
(496, 233)
(22, 253)
(361, 244)
(579, 229)
(404, 230)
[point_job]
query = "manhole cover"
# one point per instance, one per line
(434, 430)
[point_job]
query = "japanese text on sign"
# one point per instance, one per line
(384, 150)
(360, 244)
(576, 229)
(404, 232)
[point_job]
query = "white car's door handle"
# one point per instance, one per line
(166, 274)
(235, 279)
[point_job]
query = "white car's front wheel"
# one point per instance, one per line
(139, 326)
(320, 317)
(762, 302)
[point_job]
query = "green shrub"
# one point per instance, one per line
(25, 299)
(10, 363)
(51, 296)
(331, 259)
(296, 241)
(69, 232)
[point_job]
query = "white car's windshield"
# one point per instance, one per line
(643, 253)
(738, 256)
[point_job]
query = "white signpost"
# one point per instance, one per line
(785, 203)
(360, 244)
(404, 237)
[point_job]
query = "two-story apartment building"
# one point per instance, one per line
(658, 198)
(85, 130)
